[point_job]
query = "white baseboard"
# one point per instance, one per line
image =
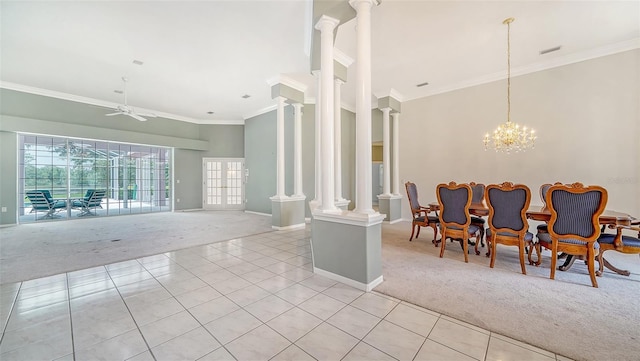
(367, 287)
(294, 226)
(258, 213)
(190, 210)
(396, 221)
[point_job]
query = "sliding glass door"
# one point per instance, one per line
(134, 178)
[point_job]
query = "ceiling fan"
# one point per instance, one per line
(127, 110)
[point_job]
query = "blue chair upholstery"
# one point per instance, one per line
(574, 228)
(454, 201)
(421, 217)
(42, 201)
(91, 200)
(508, 204)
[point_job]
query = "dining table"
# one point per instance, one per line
(542, 213)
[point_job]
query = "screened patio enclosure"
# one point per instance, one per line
(134, 178)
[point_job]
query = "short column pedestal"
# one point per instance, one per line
(391, 206)
(347, 247)
(287, 212)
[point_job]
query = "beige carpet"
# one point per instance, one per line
(41, 249)
(566, 315)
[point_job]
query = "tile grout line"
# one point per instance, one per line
(131, 314)
(13, 305)
(73, 346)
(186, 310)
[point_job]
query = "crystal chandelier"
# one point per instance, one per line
(510, 136)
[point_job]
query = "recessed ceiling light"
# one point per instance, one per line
(118, 91)
(542, 52)
(210, 112)
(246, 96)
(138, 62)
(422, 84)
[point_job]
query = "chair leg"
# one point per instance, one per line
(418, 234)
(538, 252)
(478, 242)
(554, 259)
(521, 249)
(435, 235)
(413, 230)
(443, 242)
(600, 264)
(465, 247)
(492, 246)
(591, 266)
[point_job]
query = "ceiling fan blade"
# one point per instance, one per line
(136, 116)
(148, 115)
(112, 114)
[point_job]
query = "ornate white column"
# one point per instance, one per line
(396, 154)
(337, 131)
(280, 148)
(386, 174)
(326, 25)
(297, 151)
(363, 106)
(318, 137)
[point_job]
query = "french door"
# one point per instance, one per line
(223, 183)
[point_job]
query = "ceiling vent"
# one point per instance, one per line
(138, 62)
(550, 50)
(422, 84)
(246, 96)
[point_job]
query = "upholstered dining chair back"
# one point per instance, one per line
(454, 201)
(509, 204)
(543, 192)
(575, 212)
(477, 192)
(412, 194)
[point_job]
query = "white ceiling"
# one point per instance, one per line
(202, 56)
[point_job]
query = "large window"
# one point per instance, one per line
(134, 178)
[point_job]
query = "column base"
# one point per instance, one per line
(390, 205)
(287, 213)
(343, 204)
(347, 247)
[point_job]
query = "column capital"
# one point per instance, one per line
(338, 81)
(386, 110)
(357, 3)
(297, 106)
(326, 23)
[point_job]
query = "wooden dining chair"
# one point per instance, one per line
(508, 204)
(420, 214)
(574, 227)
(455, 221)
(477, 196)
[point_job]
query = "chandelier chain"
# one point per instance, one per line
(509, 71)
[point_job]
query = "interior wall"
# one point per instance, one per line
(9, 178)
(24, 112)
(586, 116)
(260, 161)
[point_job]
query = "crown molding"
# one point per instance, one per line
(106, 104)
(391, 93)
(342, 58)
(539, 66)
(285, 80)
(268, 109)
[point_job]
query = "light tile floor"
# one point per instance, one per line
(253, 298)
